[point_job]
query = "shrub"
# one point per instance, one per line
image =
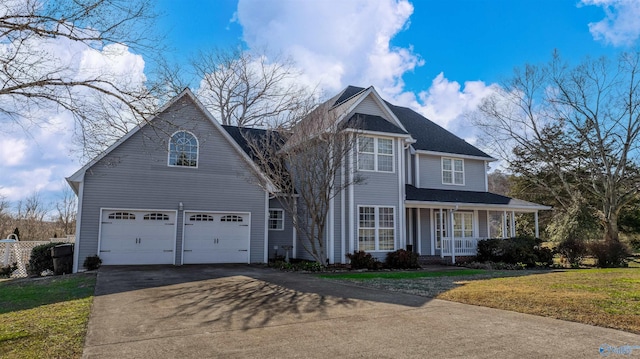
(573, 250)
(525, 250)
(5, 272)
(609, 254)
(301, 265)
(309, 266)
(402, 259)
(41, 259)
(634, 243)
(92, 262)
(363, 260)
(282, 265)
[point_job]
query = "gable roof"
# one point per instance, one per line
(429, 136)
(78, 176)
(432, 137)
(346, 94)
(372, 123)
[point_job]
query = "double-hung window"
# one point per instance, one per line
(375, 154)
(463, 224)
(452, 171)
(276, 219)
(376, 228)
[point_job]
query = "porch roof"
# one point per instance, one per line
(428, 196)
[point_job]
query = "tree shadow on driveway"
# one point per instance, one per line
(235, 297)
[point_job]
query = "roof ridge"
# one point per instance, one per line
(336, 104)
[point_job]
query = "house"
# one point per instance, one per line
(184, 190)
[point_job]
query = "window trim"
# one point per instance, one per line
(197, 150)
(446, 224)
(375, 154)
(453, 171)
(280, 220)
(462, 214)
(437, 229)
(377, 227)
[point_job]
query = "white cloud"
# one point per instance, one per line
(12, 151)
(338, 43)
(446, 101)
(38, 156)
(335, 42)
(620, 27)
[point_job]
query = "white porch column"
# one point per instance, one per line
(535, 221)
(513, 224)
(504, 224)
(453, 242)
(441, 237)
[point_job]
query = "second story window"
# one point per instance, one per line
(375, 154)
(183, 150)
(452, 171)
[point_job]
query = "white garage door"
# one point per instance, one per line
(216, 238)
(137, 237)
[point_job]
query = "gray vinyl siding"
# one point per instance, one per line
(379, 189)
(408, 167)
(430, 168)
(368, 106)
(424, 231)
(135, 175)
(482, 224)
(338, 255)
(280, 238)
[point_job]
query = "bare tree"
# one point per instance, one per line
(66, 211)
(6, 220)
(30, 218)
(247, 89)
(306, 168)
(572, 132)
(35, 77)
(499, 183)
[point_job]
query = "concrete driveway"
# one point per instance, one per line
(241, 311)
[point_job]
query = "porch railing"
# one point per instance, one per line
(463, 246)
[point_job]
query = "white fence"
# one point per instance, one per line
(20, 252)
(463, 246)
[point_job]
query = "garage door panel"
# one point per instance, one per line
(216, 238)
(137, 237)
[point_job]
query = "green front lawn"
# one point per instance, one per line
(603, 297)
(45, 317)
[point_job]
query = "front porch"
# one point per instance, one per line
(449, 224)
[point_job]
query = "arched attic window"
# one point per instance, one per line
(183, 150)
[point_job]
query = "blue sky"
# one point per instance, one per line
(437, 57)
(466, 39)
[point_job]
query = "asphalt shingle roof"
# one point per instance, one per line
(428, 135)
(452, 196)
(348, 93)
(242, 134)
(371, 123)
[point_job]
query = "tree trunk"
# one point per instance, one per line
(611, 228)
